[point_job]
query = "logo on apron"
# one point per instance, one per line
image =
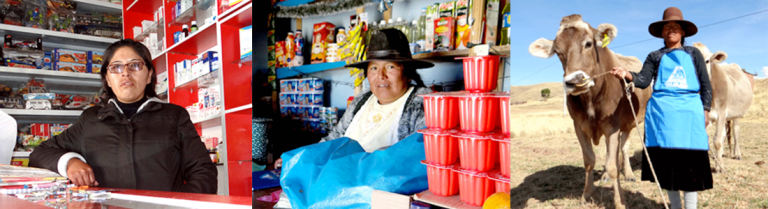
(677, 79)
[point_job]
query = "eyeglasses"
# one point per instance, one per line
(118, 68)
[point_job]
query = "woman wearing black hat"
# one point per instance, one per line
(677, 112)
(390, 111)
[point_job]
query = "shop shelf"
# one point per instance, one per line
(21, 154)
(453, 202)
(185, 17)
(233, 9)
(152, 29)
(204, 39)
(292, 3)
(195, 84)
(144, 6)
(240, 108)
(43, 112)
(101, 6)
(241, 17)
(496, 50)
(245, 61)
(306, 69)
(58, 39)
(50, 76)
(210, 121)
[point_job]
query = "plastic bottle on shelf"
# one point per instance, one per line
(382, 24)
(193, 28)
(413, 34)
(505, 29)
(390, 23)
(422, 26)
(184, 31)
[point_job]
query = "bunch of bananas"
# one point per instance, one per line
(353, 50)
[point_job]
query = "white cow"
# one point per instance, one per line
(731, 98)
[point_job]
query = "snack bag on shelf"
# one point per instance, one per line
(280, 54)
(321, 36)
(444, 34)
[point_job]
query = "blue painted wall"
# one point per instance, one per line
(443, 72)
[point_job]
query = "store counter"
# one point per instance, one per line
(130, 198)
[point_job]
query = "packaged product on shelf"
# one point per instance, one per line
(341, 36)
(31, 96)
(23, 58)
(492, 22)
(322, 35)
(193, 112)
(40, 130)
(505, 26)
(280, 54)
(432, 15)
(317, 98)
(72, 56)
(288, 85)
(299, 58)
(463, 29)
(287, 98)
(57, 129)
(96, 57)
(444, 34)
(290, 49)
(38, 104)
(295, 110)
(94, 68)
(246, 41)
(315, 112)
(177, 37)
(304, 111)
(162, 82)
(285, 111)
(47, 61)
(70, 67)
(303, 85)
(352, 21)
(210, 61)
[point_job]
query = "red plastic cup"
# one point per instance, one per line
(478, 152)
(500, 181)
(478, 112)
(504, 152)
(480, 73)
(440, 147)
(474, 187)
(442, 180)
(441, 110)
(504, 109)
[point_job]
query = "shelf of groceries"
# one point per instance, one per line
(333, 53)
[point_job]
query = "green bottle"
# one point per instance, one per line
(505, 26)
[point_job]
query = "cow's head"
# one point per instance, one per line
(577, 45)
(707, 56)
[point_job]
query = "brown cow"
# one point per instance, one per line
(598, 108)
(731, 98)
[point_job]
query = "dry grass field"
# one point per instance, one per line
(548, 171)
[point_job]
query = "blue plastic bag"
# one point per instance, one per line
(340, 174)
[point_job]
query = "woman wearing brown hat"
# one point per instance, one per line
(677, 112)
(390, 111)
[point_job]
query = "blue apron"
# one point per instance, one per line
(675, 114)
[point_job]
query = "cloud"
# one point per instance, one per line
(765, 71)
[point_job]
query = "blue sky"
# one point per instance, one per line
(745, 39)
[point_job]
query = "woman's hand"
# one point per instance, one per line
(278, 163)
(621, 73)
(80, 173)
(706, 118)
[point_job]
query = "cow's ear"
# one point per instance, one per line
(541, 48)
(605, 29)
(719, 57)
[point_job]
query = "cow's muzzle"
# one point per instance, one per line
(577, 83)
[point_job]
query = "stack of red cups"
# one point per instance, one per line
(466, 160)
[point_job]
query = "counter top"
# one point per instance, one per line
(131, 198)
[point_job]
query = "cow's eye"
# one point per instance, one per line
(707, 61)
(589, 44)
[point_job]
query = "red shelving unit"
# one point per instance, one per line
(234, 77)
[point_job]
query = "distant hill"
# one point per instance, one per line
(533, 92)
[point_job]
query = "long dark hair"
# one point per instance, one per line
(142, 51)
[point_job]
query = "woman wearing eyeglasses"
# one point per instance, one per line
(133, 141)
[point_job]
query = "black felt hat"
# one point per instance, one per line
(390, 45)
